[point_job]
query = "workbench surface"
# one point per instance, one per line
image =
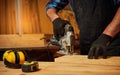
(71, 65)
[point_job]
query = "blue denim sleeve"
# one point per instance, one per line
(57, 4)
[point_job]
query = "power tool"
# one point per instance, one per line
(66, 42)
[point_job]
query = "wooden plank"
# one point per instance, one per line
(80, 69)
(10, 16)
(26, 18)
(23, 41)
(83, 59)
(3, 18)
(7, 17)
(69, 68)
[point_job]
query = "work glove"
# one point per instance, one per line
(58, 27)
(99, 47)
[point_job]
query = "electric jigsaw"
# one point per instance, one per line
(66, 42)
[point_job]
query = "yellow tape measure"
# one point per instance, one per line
(30, 66)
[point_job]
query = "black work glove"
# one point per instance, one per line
(99, 47)
(58, 27)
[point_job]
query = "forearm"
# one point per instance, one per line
(52, 14)
(114, 27)
(53, 6)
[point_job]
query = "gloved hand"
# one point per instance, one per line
(58, 27)
(99, 46)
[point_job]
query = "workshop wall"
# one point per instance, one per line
(28, 17)
(7, 17)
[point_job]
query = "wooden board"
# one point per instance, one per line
(22, 41)
(84, 60)
(76, 67)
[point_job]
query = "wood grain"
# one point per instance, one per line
(23, 41)
(83, 59)
(75, 66)
(33, 17)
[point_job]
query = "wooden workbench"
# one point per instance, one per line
(71, 65)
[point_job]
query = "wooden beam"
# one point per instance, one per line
(18, 17)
